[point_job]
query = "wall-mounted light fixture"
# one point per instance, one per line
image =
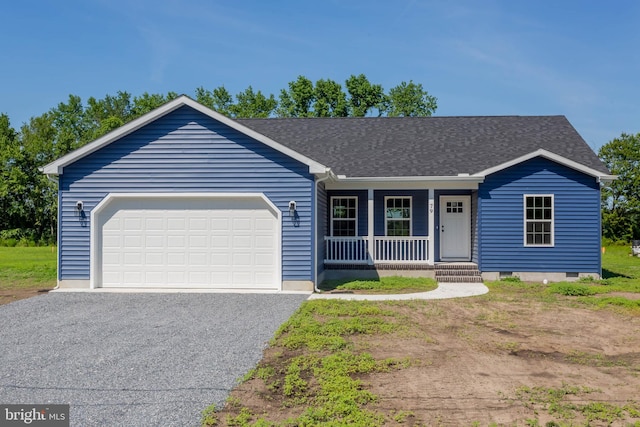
(292, 208)
(82, 216)
(293, 214)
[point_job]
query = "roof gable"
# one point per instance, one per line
(56, 167)
(550, 156)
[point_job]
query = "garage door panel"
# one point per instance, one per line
(198, 241)
(176, 241)
(154, 241)
(264, 259)
(232, 244)
(133, 259)
(133, 241)
(154, 258)
(176, 224)
(133, 224)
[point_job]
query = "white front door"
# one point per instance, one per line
(455, 228)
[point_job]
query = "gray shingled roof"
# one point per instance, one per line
(425, 146)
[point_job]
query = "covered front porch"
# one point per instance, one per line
(406, 227)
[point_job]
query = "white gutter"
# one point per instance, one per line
(315, 230)
(463, 178)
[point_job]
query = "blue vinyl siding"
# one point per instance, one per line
(577, 219)
(419, 212)
(362, 208)
(186, 151)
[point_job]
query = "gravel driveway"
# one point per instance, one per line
(134, 359)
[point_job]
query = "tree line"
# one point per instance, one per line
(28, 199)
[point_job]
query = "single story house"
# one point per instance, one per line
(184, 197)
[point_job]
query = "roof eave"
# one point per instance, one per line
(458, 178)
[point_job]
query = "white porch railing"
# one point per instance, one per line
(355, 250)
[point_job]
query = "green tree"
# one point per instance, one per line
(298, 99)
(250, 104)
(409, 100)
(27, 198)
(104, 115)
(330, 99)
(219, 99)
(148, 102)
(621, 197)
(364, 96)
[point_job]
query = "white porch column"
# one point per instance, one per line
(432, 226)
(370, 237)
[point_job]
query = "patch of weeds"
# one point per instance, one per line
(341, 398)
(510, 279)
(625, 304)
(268, 375)
(589, 359)
(600, 411)
(242, 419)
(553, 400)
(571, 289)
(233, 402)
(323, 380)
(209, 418)
(295, 386)
(401, 416)
(516, 290)
(265, 372)
(510, 346)
(324, 324)
(248, 376)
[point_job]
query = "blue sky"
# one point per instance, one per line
(580, 59)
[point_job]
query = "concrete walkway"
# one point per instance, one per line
(444, 291)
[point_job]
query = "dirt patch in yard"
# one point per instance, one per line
(476, 361)
(11, 295)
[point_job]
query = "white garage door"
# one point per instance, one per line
(190, 243)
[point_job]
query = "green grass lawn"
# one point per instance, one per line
(383, 285)
(28, 268)
(619, 288)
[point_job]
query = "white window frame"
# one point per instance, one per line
(386, 220)
(344, 219)
(527, 221)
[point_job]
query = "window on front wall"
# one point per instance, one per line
(397, 216)
(538, 220)
(344, 216)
